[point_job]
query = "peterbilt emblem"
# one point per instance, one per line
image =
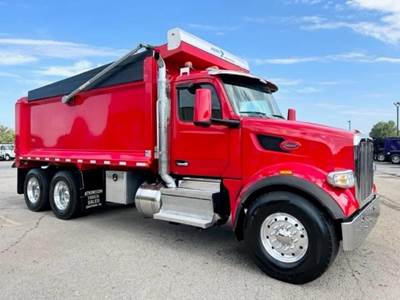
(289, 145)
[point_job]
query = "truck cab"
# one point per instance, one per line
(186, 133)
(392, 149)
(7, 152)
(379, 149)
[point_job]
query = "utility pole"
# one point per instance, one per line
(349, 121)
(397, 104)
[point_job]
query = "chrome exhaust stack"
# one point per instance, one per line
(163, 114)
(148, 196)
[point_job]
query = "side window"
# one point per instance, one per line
(186, 102)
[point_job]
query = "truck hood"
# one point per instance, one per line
(306, 128)
(323, 146)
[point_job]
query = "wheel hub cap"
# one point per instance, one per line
(62, 195)
(33, 190)
(284, 237)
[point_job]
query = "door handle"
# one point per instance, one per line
(181, 163)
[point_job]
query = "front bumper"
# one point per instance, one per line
(356, 229)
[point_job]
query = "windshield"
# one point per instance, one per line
(250, 97)
(7, 147)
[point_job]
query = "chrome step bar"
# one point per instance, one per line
(190, 203)
(200, 184)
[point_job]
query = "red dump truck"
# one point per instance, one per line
(187, 134)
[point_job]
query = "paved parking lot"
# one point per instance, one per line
(388, 169)
(117, 253)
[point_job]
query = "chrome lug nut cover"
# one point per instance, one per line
(62, 195)
(33, 190)
(284, 237)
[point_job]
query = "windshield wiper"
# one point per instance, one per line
(278, 116)
(253, 112)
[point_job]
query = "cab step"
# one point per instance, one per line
(191, 203)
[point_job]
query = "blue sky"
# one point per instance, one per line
(334, 61)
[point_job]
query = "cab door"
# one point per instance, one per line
(197, 150)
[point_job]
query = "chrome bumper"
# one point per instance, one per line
(355, 230)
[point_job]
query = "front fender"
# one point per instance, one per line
(307, 179)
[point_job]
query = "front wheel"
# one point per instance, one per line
(380, 157)
(395, 158)
(8, 157)
(289, 238)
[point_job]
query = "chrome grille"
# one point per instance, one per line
(364, 169)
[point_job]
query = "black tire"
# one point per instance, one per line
(395, 159)
(322, 240)
(42, 203)
(380, 157)
(74, 207)
(8, 158)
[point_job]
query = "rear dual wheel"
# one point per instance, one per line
(64, 195)
(36, 190)
(61, 193)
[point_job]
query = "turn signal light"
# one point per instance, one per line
(286, 172)
(341, 179)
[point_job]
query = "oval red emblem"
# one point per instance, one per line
(290, 145)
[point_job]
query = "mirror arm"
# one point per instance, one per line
(202, 124)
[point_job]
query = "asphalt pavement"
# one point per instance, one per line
(116, 253)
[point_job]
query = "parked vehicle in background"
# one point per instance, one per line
(184, 131)
(379, 149)
(392, 149)
(7, 152)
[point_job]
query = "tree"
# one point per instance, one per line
(383, 130)
(7, 135)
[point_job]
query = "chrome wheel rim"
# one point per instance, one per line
(33, 190)
(381, 157)
(284, 237)
(396, 159)
(62, 195)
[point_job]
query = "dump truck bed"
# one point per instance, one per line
(111, 123)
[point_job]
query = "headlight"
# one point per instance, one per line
(342, 179)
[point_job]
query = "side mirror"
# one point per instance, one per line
(291, 115)
(202, 107)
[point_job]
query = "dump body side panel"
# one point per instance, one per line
(114, 125)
